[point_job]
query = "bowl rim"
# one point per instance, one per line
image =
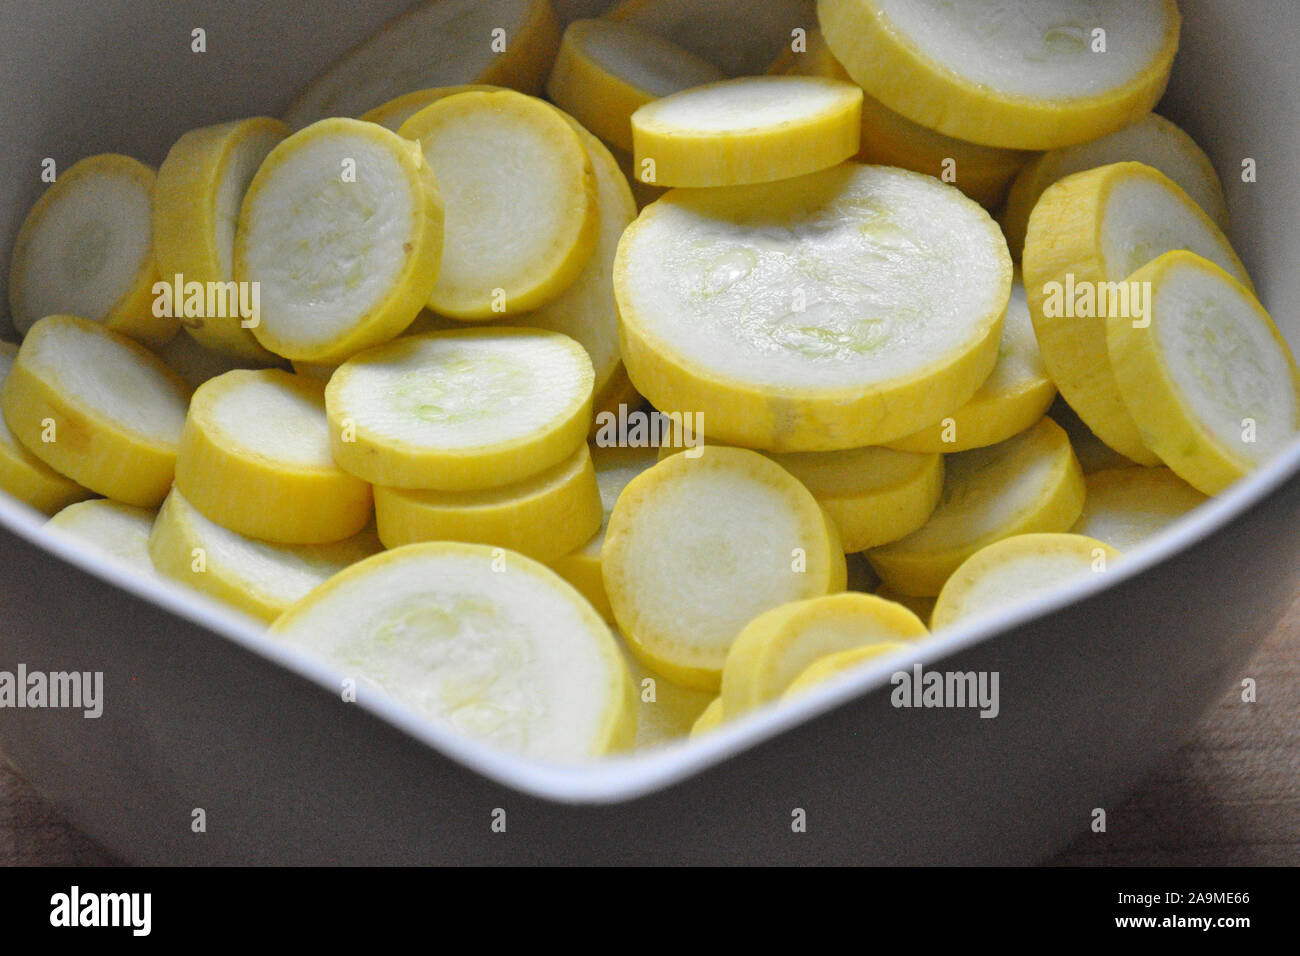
(627, 777)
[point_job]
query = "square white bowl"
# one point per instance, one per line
(202, 711)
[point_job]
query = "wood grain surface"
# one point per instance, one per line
(1231, 796)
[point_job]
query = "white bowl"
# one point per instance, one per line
(202, 711)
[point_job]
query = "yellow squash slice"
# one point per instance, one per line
(545, 516)
(395, 112)
(522, 210)
(607, 70)
(984, 173)
(1013, 570)
(688, 531)
(1087, 235)
(1014, 397)
(1152, 140)
(197, 198)
(342, 229)
(778, 645)
(1028, 483)
(97, 407)
(586, 310)
(666, 712)
(922, 607)
(255, 458)
(710, 719)
(1125, 506)
(874, 495)
(834, 666)
(1207, 376)
(86, 249)
(460, 410)
(493, 645)
(755, 129)
(256, 577)
(22, 474)
(727, 310)
(615, 468)
(119, 532)
(1020, 74)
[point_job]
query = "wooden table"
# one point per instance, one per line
(1231, 796)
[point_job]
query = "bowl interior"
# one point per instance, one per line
(122, 77)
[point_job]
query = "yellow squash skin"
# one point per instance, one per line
(889, 67)
(1065, 239)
